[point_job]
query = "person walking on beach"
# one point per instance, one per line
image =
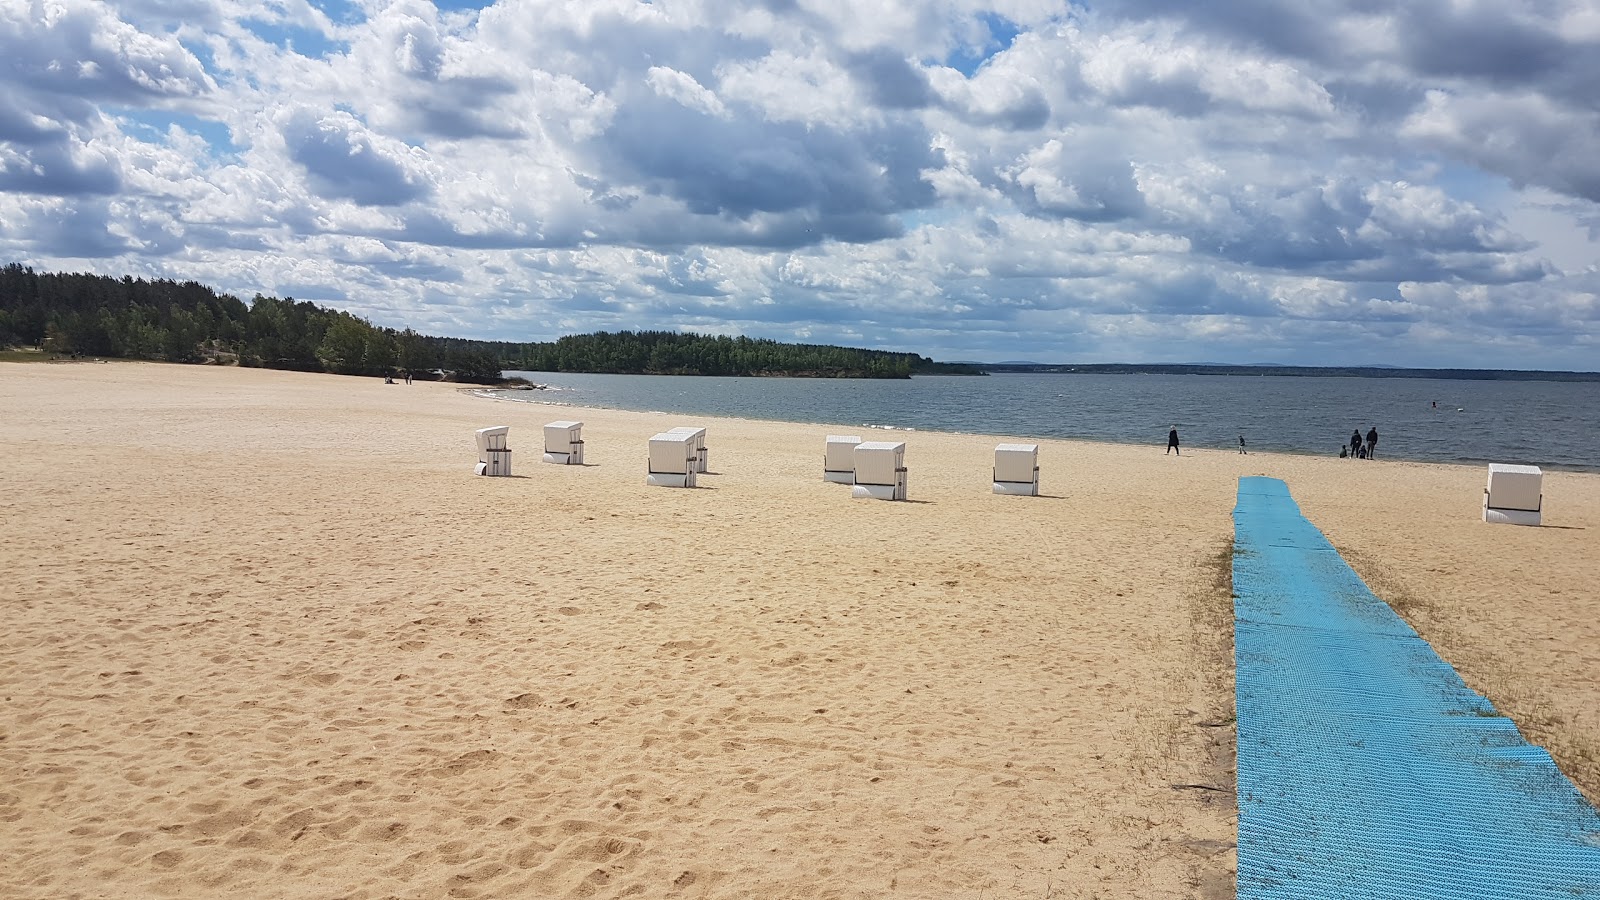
(1172, 441)
(1372, 442)
(1355, 443)
(1241, 446)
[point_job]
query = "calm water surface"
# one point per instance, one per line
(1550, 424)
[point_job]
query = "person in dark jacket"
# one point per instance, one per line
(1355, 443)
(1372, 442)
(1172, 441)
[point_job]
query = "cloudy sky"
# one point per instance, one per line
(1328, 182)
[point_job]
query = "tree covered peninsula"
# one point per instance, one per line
(131, 318)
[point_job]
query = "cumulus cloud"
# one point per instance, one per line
(62, 61)
(81, 49)
(1079, 179)
(888, 79)
(679, 86)
(1527, 138)
(51, 228)
(1004, 97)
(423, 77)
(58, 167)
(783, 86)
(1150, 67)
(836, 184)
(342, 158)
(1012, 178)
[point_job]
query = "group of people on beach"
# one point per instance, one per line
(1359, 449)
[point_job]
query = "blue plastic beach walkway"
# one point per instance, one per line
(1367, 769)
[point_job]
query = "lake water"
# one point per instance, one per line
(1549, 424)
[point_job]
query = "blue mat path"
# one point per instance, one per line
(1367, 768)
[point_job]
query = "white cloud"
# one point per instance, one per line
(1152, 67)
(1529, 138)
(1090, 181)
(784, 87)
(81, 49)
(1143, 179)
(342, 158)
(682, 88)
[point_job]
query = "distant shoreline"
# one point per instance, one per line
(1288, 371)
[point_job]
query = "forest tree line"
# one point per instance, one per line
(676, 353)
(131, 318)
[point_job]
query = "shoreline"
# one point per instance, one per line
(484, 394)
(270, 635)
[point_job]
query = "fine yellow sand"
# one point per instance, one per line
(267, 636)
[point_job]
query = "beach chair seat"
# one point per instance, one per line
(563, 443)
(880, 471)
(1016, 469)
(1514, 495)
(494, 458)
(672, 461)
(702, 453)
(839, 458)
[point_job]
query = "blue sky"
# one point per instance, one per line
(1337, 182)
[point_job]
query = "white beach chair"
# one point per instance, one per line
(880, 471)
(1514, 495)
(493, 456)
(839, 458)
(702, 454)
(672, 460)
(563, 443)
(1016, 469)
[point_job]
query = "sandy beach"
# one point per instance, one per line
(267, 636)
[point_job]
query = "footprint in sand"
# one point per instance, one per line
(530, 856)
(479, 874)
(464, 763)
(383, 832)
(167, 859)
(687, 649)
